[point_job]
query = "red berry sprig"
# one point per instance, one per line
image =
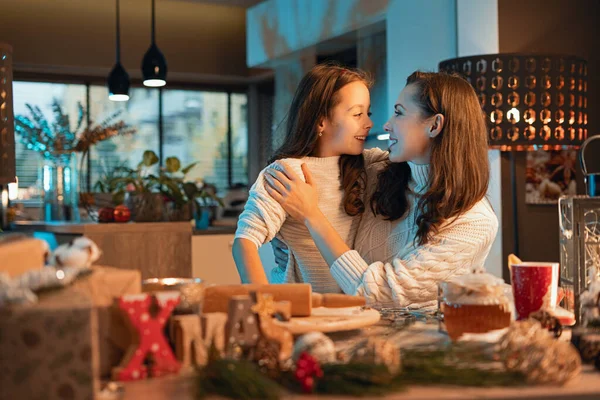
(307, 368)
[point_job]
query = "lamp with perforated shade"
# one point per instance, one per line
(530, 101)
(7, 132)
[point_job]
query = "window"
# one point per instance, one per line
(196, 130)
(239, 139)
(141, 112)
(197, 126)
(41, 94)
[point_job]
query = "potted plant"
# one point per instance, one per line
(137, 188)
(167, 195)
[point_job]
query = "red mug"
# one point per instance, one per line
(535, 287)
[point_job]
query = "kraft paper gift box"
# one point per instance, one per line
(97, 290)
(49, 350)
(19, 254)
(102, 286)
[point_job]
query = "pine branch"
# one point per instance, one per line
(235, 380)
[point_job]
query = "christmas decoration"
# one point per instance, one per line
(265, 308)
(265, 355)
(106, 214)
(241, 330)
(193, 336)
(530, 349)
(81, 252)
(587, 342)
(590, 304)
(186, 333)
(548, 321)
(122, 213)
(151, 342)
(235, 379)
(377, 351)
(318, 345)
(307, 369)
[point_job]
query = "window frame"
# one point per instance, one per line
(229, 89)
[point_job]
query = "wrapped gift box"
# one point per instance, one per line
(49, 350)
(73, 335)
(19, 254)
(102, 286)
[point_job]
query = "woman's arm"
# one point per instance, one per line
(300, 200)
(411, 280)
(247, 261)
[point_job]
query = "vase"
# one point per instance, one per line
(145, 207)
(58, 177)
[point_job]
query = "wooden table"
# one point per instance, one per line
(586, 386)
(157, 249)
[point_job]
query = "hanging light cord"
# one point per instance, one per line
(153, 27)
(118, 34)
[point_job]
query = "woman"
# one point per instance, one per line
(430, 219)
(328, 123)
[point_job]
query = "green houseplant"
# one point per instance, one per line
(166, 195)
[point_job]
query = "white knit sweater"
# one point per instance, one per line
(390, 270)
(263, 218)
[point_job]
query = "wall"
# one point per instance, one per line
(556, 27)
(202, 42)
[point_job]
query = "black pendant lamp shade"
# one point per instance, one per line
(118, 79)
(154, 64)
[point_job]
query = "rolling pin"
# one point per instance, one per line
(216, 297)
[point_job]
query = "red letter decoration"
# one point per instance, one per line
(150, 339)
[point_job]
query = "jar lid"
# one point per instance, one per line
(477, 288)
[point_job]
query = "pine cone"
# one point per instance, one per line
(266, 355)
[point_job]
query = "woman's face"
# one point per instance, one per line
(346, 130)
(410, 133)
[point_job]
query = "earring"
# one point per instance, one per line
(320, 134)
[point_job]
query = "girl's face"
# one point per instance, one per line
(411, 135)
(346, 130)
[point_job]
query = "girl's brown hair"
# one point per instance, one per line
(459, 169)
(315, 98)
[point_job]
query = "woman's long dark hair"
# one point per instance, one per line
(315, 98)
(459, 168)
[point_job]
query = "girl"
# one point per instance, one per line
(430, 220)
(328, 123)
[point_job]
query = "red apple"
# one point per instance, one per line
(122, 213)
(106, 214)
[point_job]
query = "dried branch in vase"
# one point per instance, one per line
(56, 138)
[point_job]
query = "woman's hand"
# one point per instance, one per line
(280, 252)
(298, 198)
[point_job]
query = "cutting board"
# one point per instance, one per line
(325, 319)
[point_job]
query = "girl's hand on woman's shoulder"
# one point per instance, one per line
(297, 197)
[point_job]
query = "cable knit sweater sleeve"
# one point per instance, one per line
(411, 279)
(263, 217)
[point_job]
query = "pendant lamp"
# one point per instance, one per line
(118, 79)
(154, 64)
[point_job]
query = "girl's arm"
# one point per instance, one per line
(247, 261)
(260, 221)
